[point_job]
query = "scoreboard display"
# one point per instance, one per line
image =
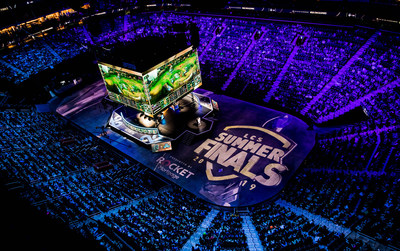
(155, 89)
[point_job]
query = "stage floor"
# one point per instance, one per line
(247, 159)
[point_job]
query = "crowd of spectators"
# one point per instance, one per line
(324, 53)
(262, 66)
(94, 230)
(370, 145)
(350, 177)
(363, 202)
(377, 66)
(165, 221)
(86, 192)
(231, 236)
(29, 59)
(26, 60)
(209, 238)
(11, 74)
(55, 162)
(18, 34)
(66, 44)
(224, 233)
(344, 153)
(207, 25)
(387, 154)
(222, 56)
(281, 229)
(384, 108)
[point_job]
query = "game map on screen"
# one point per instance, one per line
(173, 78)
(125, 86)
(157, 88)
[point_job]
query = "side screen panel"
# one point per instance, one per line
(125, 86)
(172, 79)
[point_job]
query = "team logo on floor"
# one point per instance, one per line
(242, 157)
(240, 164)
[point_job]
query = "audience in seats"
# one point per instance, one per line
(281, 229)
(165, 221)
(377, 67)
(323, 54)
(350, 177)
(363, 202)
(262, 66)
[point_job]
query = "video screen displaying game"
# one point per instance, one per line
(172, 79)
(125, 86)
(155, 89)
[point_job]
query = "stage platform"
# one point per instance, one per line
(182, 121)
(248, 157)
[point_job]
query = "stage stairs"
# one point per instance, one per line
(241, 62)
(252, 236)
(341, 72)
(374, 152)
(212, 41)
(281, 75)
(126, 24)
(194, 239)
(387, 158)
(87, 35)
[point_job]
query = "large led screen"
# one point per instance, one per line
(172, 79)
(125, 86)
(155, 89)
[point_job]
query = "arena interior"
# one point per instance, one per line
(333, 64)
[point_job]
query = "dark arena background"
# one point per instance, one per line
(200, 125)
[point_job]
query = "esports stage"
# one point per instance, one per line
(246, 159)
(226, 151)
